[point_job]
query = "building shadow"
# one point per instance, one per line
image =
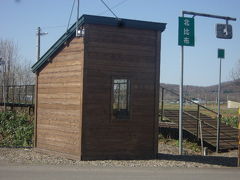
(213, 160)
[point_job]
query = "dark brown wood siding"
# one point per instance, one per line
(126, 53)
(59, 101)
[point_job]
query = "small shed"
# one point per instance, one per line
(97, 94)
(233, 104)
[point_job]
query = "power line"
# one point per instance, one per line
(113, 7)
(109, 9)
(62, 26)
(101, 13)
(70, 15)
(53, 27)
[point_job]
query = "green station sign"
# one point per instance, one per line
(185, 31)
(221, 53)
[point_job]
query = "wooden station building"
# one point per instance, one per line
(97, 94)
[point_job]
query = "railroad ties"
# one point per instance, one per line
(228, 135)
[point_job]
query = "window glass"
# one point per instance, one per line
(121, 89)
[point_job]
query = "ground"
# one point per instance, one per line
(167, 158)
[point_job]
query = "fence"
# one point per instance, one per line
(17, 96)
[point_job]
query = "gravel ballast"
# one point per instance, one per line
(167, 158)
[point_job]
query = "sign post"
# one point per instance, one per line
(185, 38)
(221, 55)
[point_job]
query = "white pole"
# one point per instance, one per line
(180, 121)
(181, 103)
(219, 118)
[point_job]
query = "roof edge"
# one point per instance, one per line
(91, 19)
(56, 45)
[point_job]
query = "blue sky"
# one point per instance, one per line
(19, 20)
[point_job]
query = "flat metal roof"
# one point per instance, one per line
(98, 20)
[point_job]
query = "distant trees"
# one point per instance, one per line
(16, 70)
(236, 73)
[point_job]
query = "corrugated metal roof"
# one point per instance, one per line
(90, 19)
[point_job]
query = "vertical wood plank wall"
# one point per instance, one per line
(59, 108)
(119, 52)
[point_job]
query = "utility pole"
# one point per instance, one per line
(38, 42)
(77, 32)
(3, 63)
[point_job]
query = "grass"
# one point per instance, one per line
(186, 143)
(16, 129)
(231, 121)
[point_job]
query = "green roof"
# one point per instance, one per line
(100, 20)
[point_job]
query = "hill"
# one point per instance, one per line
(229, 91)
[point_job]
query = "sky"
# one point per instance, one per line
(20, 18)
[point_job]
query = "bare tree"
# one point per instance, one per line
(23, 74)
(236, 73)
(17, 70)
